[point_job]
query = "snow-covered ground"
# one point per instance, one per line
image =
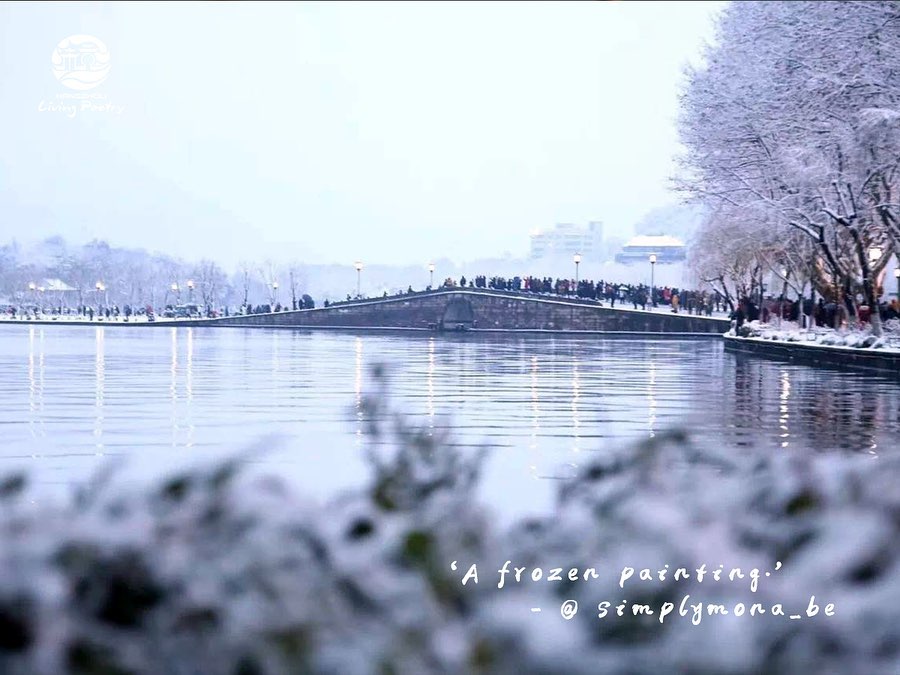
(666, 309)
(74, 318)
(852, 337)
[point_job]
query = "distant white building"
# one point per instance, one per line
(57, 286)
(639, 249)
(567, 239)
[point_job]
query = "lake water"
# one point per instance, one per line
(73, 398)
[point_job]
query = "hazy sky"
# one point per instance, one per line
(393, 133)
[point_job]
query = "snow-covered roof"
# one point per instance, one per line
(650, 241)
(56, 285)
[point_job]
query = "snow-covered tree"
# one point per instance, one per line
(296, 279)
(268, 274)
(797, 111)
(211, 282)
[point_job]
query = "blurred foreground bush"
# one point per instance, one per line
(214, 571)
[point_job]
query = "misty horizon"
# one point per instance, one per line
(328, 133)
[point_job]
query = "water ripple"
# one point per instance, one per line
(162, 397)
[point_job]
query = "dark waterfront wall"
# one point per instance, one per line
(872, 360)
(482, 310)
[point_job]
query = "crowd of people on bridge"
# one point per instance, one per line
(700, 302)
(639, 296)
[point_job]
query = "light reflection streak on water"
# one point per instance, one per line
(32, 384)
(535, 415)
(430, 384)
(100, 383)
(576, 395)
(784, 415)
(173, 385)
(651, 396)
(358, 382)
(189, 387)
(41, 369)
(36, 383)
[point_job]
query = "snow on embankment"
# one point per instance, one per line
(823, 337)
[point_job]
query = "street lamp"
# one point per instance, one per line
(577, 259)
(190, 290)
(358, 265)
(176, 291)
(100, 288)
(274, 293)
(652, 278)
(431, 271)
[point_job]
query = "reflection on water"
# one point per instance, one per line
(651, 397)
(576, 394)
(431, 384)
(163, 396)
(816, 409)
(784, 415)
(535, 418)
(189, 384)
(99, 369)
(173, 385)
(35, 383)
(358, 386)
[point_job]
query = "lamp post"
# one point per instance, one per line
(41, 290)
(33, 288)
(176, 291)
(577, 259)
(101, 288)
(274, 294)
(358, 265)
(431, 272)
(190, 290)
(652, 278)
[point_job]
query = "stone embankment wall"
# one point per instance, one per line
(822, 356)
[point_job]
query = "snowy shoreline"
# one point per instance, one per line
(820, 347)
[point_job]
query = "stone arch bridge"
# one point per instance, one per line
(457, 309)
